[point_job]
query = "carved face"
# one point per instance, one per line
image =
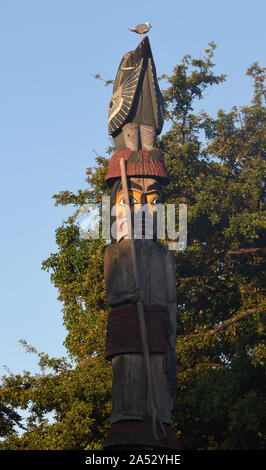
(144, 195)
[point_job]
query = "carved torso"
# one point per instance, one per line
(156, 270)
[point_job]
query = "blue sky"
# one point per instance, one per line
(53, 118)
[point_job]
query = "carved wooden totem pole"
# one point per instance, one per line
(139, 271)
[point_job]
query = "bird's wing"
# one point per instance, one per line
(122, 100)
(139, 28)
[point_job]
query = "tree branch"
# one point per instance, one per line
(232, 320)
(233, 252)
(244, 250)
(209, 287)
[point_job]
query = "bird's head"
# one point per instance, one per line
(148, 24)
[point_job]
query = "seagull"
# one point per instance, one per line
(142, 28)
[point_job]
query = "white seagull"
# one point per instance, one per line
(141, 28)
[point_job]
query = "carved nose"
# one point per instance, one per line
(143, 199)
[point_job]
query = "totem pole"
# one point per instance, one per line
(139, 271)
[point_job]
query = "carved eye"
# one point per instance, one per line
(132, 201)
(156, 201)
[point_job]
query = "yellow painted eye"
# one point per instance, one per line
(156, 201)
(153, 199)
(132, 201)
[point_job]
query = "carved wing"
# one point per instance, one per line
(121, 102)
(157, 99)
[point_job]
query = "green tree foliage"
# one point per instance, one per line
(8, 420)
(217, 167)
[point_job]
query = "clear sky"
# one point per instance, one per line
(53, 118)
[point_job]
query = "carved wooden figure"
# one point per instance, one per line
(140, 274)
(136, 107)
